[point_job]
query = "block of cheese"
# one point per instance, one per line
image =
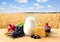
(39, 31)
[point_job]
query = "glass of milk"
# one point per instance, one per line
(29, 25)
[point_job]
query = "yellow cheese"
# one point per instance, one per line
(40, 31)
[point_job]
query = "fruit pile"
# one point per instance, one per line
(15, 31)
(47, 28)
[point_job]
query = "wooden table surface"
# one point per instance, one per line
(4, 38)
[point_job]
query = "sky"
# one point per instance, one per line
(16, 6)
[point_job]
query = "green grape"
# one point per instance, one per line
(39, 25)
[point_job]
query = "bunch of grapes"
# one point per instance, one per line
(18, 32)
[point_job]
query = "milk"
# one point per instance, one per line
(29, 25)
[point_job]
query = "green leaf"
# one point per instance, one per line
(21, 24)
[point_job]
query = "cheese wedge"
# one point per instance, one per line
(40, 31)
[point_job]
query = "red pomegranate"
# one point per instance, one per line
(47, 25)
(11, 27)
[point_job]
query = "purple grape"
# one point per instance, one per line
(48, 30)
(38, 37)
(32, 36)
(14, 34)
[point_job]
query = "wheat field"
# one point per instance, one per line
(14, 18)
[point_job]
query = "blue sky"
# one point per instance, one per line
(29, 6)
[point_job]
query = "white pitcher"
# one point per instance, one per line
(29, 25)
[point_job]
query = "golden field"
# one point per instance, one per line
(41, 18)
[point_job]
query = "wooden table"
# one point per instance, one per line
(4, 38)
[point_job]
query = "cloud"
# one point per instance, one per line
(30, 9)
(34, 8)
(13, 6)
(49, 6)
(22, 1)
(42, 0)
(19, 9)
(15, 9)
(11, 9)
(37, 5)
(2, 8)
(4, 3)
